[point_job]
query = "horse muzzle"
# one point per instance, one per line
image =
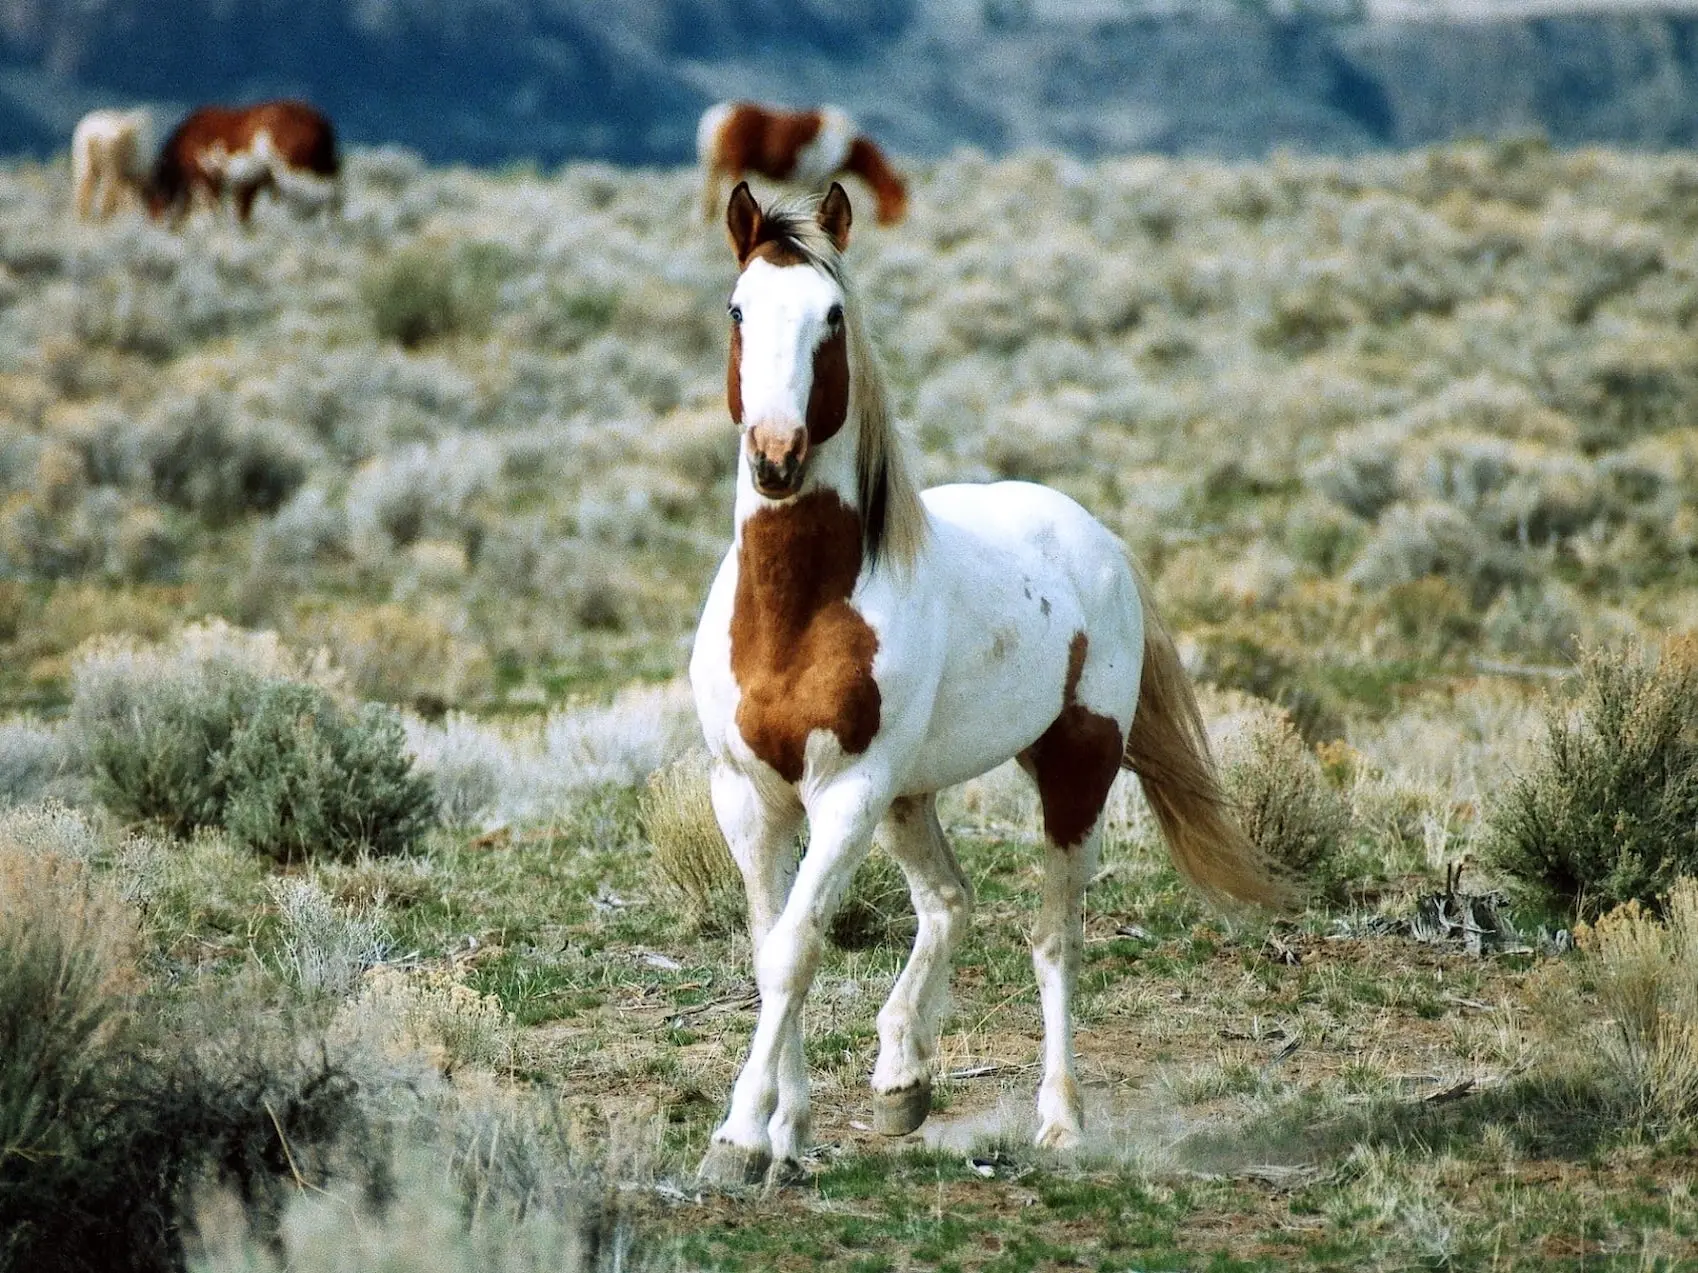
(777, 458)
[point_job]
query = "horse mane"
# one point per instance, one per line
(893, 520)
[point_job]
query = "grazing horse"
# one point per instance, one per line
(287, 147)
(107, 149)
(865, 645)
(807, 147)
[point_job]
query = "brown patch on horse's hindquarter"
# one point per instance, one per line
(1075, 760)
(801, 654)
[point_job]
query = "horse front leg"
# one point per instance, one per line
(774, 1076)
(761, 832)
(909, 1022)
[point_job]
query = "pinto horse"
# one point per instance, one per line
(807, 147)
(287, 147)
(865, 645)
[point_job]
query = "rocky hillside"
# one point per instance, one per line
(486, 81)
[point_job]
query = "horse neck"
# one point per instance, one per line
(831, 481)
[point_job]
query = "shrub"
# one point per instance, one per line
(398, 655)
(302, 778)
(154, 746)
(111, 1111)
(1608, 813)
(52, 829)
(216, 734)
(202, 458)
(422, 294)
(876, 911)
(1646, 976)
(324, 949)
(434, 1013)
(34, 763)
(64, 969)
(1292, 814)
(484, 1182)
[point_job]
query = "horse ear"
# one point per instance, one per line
(835, 215)
(743, 220)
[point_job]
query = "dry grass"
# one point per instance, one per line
(1293, 814)
(1646, 976)
(690, 853)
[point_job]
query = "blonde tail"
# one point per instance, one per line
(1168, 748)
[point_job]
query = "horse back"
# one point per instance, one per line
(759, 139)
(301, 134)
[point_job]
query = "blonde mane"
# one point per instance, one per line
(893, 520)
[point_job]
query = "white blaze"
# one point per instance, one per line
(784, 320)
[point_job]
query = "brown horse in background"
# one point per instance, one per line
(806, 147)
(287, 147)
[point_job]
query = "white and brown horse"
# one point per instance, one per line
(108, 160)
(806, 147)
(287, 147)
(865, 645)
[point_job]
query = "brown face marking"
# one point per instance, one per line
(801, 654)
(828, 396)
(1075, 760)
(734, 375)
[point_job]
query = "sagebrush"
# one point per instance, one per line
(1607, 813)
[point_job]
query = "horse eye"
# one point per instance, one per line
(736, 312)
(834, 316)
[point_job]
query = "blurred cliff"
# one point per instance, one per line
(485, 81)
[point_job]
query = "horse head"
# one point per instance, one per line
(787, 382)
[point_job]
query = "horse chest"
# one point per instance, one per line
(801, 654)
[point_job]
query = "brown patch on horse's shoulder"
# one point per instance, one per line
(1076, 759)
(801, 654)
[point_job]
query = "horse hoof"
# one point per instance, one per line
(786, 1171)
(727, 1166)
(900, 1112)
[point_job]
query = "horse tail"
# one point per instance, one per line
(1168, 749)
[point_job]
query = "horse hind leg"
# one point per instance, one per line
(1074, 764)
(909, 1022)
(1058, 942)
(713, 193)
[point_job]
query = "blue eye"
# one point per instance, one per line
(736, 312)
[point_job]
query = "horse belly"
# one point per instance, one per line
(1031, 573)
(1003, 675)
